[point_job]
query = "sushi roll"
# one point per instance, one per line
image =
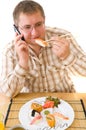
(36, 106)
(50, 120)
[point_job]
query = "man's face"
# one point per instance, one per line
(32, 26)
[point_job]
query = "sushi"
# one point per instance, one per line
(50, 120)
(36, 106)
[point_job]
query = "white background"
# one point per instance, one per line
(66, 14)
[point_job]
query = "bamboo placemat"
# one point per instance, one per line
(13, 111)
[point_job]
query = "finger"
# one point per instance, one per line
(18, 37)
(56, 46)
(57, 43)
(57, 52)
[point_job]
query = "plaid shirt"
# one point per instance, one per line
(47, 73)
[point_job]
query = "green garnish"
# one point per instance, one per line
(56, 100)
(46, 112)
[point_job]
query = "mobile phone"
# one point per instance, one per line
(18, 32)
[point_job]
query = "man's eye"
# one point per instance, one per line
(27, 27)
(38, 24)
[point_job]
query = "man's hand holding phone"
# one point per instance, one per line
(22, 50)
(18, 32)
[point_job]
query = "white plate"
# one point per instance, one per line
(63, 108)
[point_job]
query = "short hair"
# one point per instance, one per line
(26, 6)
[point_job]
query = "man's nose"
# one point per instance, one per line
(34, 32)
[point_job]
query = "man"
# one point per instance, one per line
(29, 67)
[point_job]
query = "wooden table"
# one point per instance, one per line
(4, 102)
(72, 98)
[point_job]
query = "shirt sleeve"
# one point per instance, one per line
(75, 63)
(13, 76)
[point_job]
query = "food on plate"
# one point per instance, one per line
(48, 104)
(55, 100)
(41, 42)
(59, 115)
(51, 102)
(50, 120)
(36, 106)
(34, 113)
(46, 111)
(36, 119)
